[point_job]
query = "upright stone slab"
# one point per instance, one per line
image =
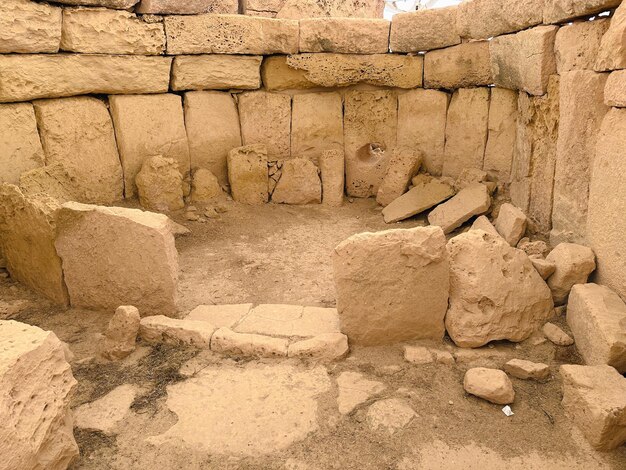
(175, 7)
(561, 11)
(345, 35)
(422, 118)
(370, 123)
(146, 126)
(20, 144)
(299, 183)
(576, 46)
(612, 53)
(615, 89)
(216, 72)
(582, 109)
(332, 169)
(78, 133)
(403, 165)
(29, 27)
(115, 4)
(466, 130)
(392, 286)
(212, 124)
(483, 19)
(502, 133)
(114, 256)
(461, 66)
(248, 175)
(423, 30)
(160, 185)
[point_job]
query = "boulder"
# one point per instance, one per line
(574, 264)
(561, 11)
(390, 415)
(174, 7)
(403, 165)
(576, 45)
(501, 140)
(525, 370)
(115, 256)
(247, 173)
(544, 267)
(423, 30)
(36, 385)
(557, 335)
(490, 384)
(20, 144)
(160, 185)
(121, 334)
(299, 184)
(374, 308)
(29, 27)
(354, 389)
(615, 89)
(495, 293)
(471, 201)
(511, 223)
(205, 186)
(597, 317)
(216, 72)
(462, 66)
(160, 329)
(226, 341)
(417, 200)
(332, 169)
(483, 223)
(483, 19)
(326, 347)
(345, 35)
(612, 52)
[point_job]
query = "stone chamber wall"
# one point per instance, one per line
(530, 91)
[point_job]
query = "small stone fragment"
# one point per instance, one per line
(390, 415)
(490, 384)
(468, 177)
(557, 335)
(326, 347)
(121, 334)
(403, 165)
(299, 184)
(247, 173)
(544, 267)
(205, 186)
(160, 185)
(161, 329)
(471, 201)
(355, 389)
(418, 355)
(420, 198)
(226, 341)
(524, 370)
(483, 223)
(574, 264)
(535, 248)
(511, 223)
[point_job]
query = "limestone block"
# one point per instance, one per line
(561, 11)
(544, 267)
(502, 133)
(106, 413)
(316, 124)
(230, 34)
(422, 118)
(36, 385)
(103, 31)
(605, 222)
(418, 355)
(511, 223)
(576, 46)
(338, 70)
(370, 124)
(403, 165)
(490, 384)
(27, 229)
(615, 89)
(582, 109)
(78, 133)
(345, 35)
(247, 173)
(374, 308)
(326, 347)
(459, 66)
(354, 389)
(212, 124)
(29, 27)
(299, 184)
(147, 126)
(115, 4)
(115, 256)
(418, 199)
(332, 169)
(20, 145)
(594, 397)
(471, 201)
(28, 77)
(298, 9)
(189, 7)
(524, 61)
(483, 19)
(220, 315)
(423, 30)
(612, 53)
(556, 335)
(525, 370)
(468, 177)
(226, 341)
(121, 334)
(483, 223)
(536, 248)
(289, 321)
(574, 264)
(161, 329)
(51, 180)
(266, 119)
(495, 293)
(216, 72)
(160, 185)
(466, 130)
(205, 186)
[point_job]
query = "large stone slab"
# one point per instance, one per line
(216, 72)
(289, 321)
(78, 133)
(29, 27)
(612, 53)
(345, 35)
(502, 133)
(374, 308)
(230, 34)
(332, 172)
(115, 256)
(483, 19)
(524, 61)
(576, 46)
(20, 144)
(370, 123)
(417, 200)
(297, 9)
(561, 11)
(423, 30)
(299, 183)
(495, 292)
(147, 126)
(221, 316)
(403, 165)
(189, 7)
(470, 201)
(159, 329)
(36, 385)
(461, 66)
(248, 174)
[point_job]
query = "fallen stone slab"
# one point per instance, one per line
(597, 317)
(354, 389)
(220, 315)
(470, 176)
(483, 223)
(557, 335)
(326, 347)
(574, 263)
(423, 30)
(332, 169)
(471, 201)
(511, 223)
(390, 415)
(289, 321)
(490, 384)
(121, 334)
(105, 413)
(226, 341)
(544, 267)
(160, 185)
(483, 19)
(29, 27)
(247, 173)
(403, 165)
(594, 397)
(299, 184)
(174, 7)
(612, 50)
(345, 35)
(216, 72)
(417, 200)
(160, 329)
(525, 370)
(36, 385)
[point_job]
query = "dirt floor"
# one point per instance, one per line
(280, 254)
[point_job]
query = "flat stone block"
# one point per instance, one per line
(424, 30)
(20, 144)
(216, 72)
(461, 66)
(289, 320)
(29, 27)
(345, 35)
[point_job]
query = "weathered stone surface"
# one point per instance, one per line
(615, 89)
(424, 30)
(105, 413)
(205, 187)
(216, 72)
(422, 118)
(597, 317)
(511, 223)
(338, 70)
(574, 264)
(20, 145)
(227, 341)
(35, 392)
(483, 223)
(370, 124)
(459, 66)
(212, 124)
(582, 109)
(376, 309)
(544, 267)
(160, 185)
(345, 35)
(193, 7)
(490, 384)
(471, 201)
(470, 176)
(525, 370)
(115, 4)
(220, 315)
(355, 389)
(121, 334)
(390, 415)
(403, 165)
(418, 355)
(326, 347)
(114, 256)
(561, 11)
(230, 34)
(466, 130)
(418, 199)
(556, 335)
(495, 293)
(298, 9)
(161, 329)
(595, 399)
(290, 321)
(28, 77)
(78, 133)
(27, 226)
(247, 173)
(612, 53)
(266, 119)
(576, 45)
(147, 126)
(332, 169)
(502, 133)
(299, 184)
(29, 27)
(534, 248)
(483, 19)
(51, 180)
(524, 61)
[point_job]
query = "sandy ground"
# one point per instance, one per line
(280, 254)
